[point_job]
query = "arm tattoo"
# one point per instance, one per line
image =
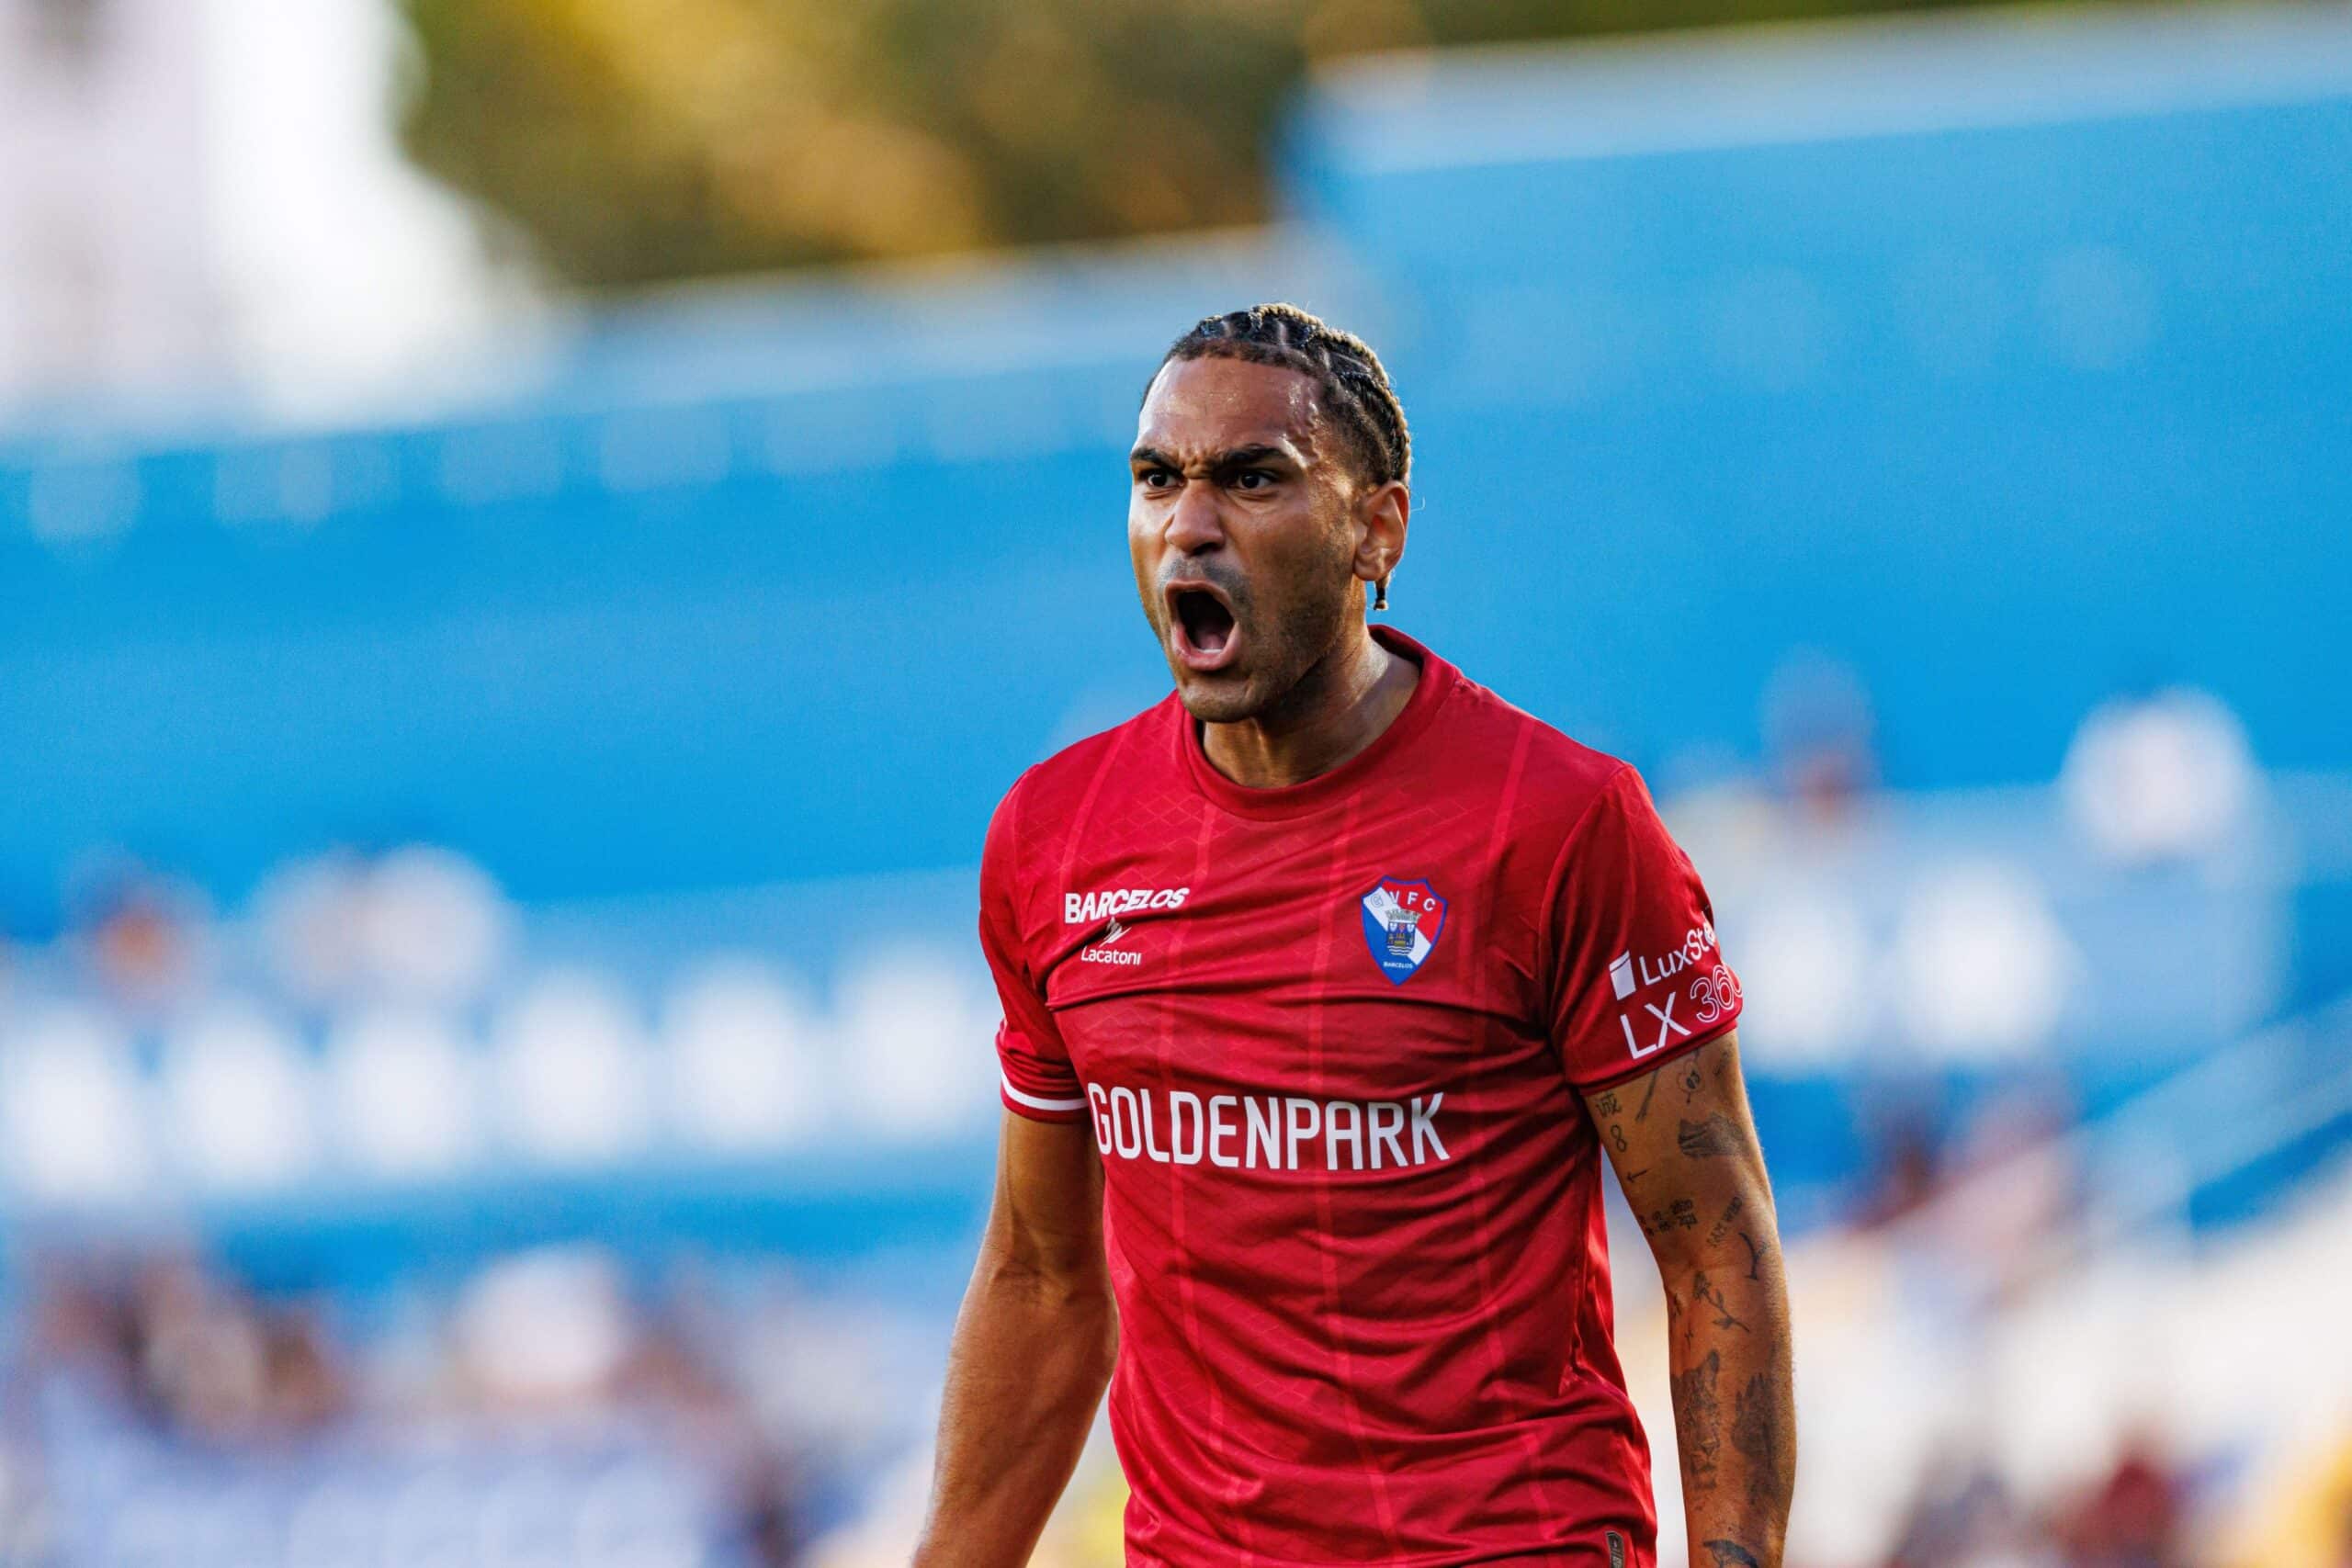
(1756, 1435)
(1754, 1256)
(1607, 1103)
(1713, 1297)
(1682, 1215)
(1723, 1226)
(1647, 1095)
(1692, 1081)
(1699, 1418)
(1702, 1140)
(1731, 1554)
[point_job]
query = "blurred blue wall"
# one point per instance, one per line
(2009, 368)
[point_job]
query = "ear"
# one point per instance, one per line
(1382, 515)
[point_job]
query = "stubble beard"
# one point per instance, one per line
(1284, 652)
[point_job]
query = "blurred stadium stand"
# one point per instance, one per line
(454, 869)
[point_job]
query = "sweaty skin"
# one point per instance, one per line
(1241, 492)
(1031, 1355)
(1687, 1157)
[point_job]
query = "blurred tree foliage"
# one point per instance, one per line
(641, 140)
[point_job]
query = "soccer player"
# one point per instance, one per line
(1328, 982)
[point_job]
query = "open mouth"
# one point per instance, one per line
(1201, 624)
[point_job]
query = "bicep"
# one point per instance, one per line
(1047, 1216)
(1686, 1153)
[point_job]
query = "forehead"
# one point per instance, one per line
(1197, 407)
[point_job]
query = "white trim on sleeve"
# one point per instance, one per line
(1035, 1103)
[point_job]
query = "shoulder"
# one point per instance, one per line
(1555, 779)
(1055, 788)
(1049, 796)
(1578, 812)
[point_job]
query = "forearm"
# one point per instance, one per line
(1031, 1355)
(1727, 1325)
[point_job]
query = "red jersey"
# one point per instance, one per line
(1330, 1039)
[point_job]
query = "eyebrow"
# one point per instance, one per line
(1239, 456)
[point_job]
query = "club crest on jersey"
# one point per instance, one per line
(1401, 924)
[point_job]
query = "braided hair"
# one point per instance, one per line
(1352, 387)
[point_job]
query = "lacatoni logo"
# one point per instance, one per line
(1629, 972)
(1087, 908)
(1105, 949)
(1268, 1131)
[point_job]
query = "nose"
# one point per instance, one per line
(1193, 523)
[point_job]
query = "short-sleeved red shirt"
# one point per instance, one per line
(1329, 1038)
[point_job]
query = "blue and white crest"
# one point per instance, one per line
(1401, 924)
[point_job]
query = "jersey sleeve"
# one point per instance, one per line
(1638, 976)
(1034, 1076)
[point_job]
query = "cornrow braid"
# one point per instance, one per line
(1352, 386)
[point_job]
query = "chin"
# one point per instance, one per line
(1224, 698)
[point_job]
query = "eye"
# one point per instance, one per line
(1156, 478)
(1252, 478)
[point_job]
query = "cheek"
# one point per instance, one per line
(1293, 571)
(1144, 548)
(1304, 552)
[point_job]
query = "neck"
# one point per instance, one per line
(1339, 707)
